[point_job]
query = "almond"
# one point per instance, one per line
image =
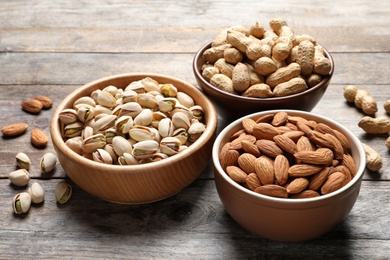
(32, 106)
(349, 163)
(302, 170)
(265, 170)
(272, 190)
(229, 159)
(337, 146)
(321, 156)
(236, 143)
(304, 144)
(252, 181)
(265, 131)
(285, 143)
(39, 138)
(236, 174)
(305, 194)
(246, 161)
(297, 185)
(281, 166)
(294, 135)
(46, 102)
(14, 129)
(334, 182)
(248, 125)
(250, 147)
(279, 119)
(318, 179)
(268, 147)
(265, 119)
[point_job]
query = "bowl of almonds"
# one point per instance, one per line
(134, 138)
(262, 69)
(288, 175)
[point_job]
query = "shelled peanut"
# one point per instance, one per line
(283, 63)
(288, 156)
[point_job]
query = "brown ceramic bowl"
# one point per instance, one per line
(136, 184)
(286, 219)
(305, 101)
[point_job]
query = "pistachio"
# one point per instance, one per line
(167, 104)
(128, 109)
(185, 99)
(103, 123)
(168, 90)
(19, 177)
(68, 116)
(124, 124)
(170, 145)
(144, 118)
(181, 134)
(63, 192)
(23, 161)
(106, 99)
(85, 113)
(111, 89)
(75, 144)
(181, 120)
(196, 130)
(129, 96)
(166, 127)
(102, 156)
(73, 129)
(197, 112)
(93, 142)
(145, 149)
(157, 116)
(48, 162)
(21, 203)
(109, 148)
(121, 145)
(147, 100)
(127, 159)
(136, 86)
(37, 193)
(142, 133)
(84, 101)
(150, 84)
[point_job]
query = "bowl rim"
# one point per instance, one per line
(198, 75)
(58, 141)
(287, 201)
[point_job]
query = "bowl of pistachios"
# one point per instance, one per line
(134, 138)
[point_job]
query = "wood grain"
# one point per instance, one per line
(53, 47)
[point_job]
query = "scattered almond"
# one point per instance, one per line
(39, 138)
(32, 106)
(46, 102)
(14, 129)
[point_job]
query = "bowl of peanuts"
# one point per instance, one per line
(260, 69)
(288, 175)
(134, 138)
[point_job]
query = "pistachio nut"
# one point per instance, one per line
(129, 96)
(136, 86)
(121, 145)
(63, 192)
(128, 109)
(84, 101)
(94, 94)
(110, 149)
(73, 129)
(144, 118)
(150, 84)
(75, 144)
(185, 99)
(19, 177)
(127, 159)
(124, 124)
(21, 203)
(142, 133)
(147, 100)
(168, 90)
(196, 130)
(105, 99)
(37, 193)
(103, 123)
(197, 112)
(180, 108)
(145, 149)
(99, 109)
(102, 156)
(23, 161)
(181, 134)
(85, 113)
(87, 132)
(157, 116)
(92, 143)
(166, 127)
(158, 157)
(111, 89)
(170, 145)
(48, 162)
(68, 116)
(109, 134)
(167, 104)
(181, 120)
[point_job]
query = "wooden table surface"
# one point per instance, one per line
(53, 47)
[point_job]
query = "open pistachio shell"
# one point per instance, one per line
(37, 193)
(63, 192)
(48, 162)
(21, 203)
(23, 161)
(19, 177)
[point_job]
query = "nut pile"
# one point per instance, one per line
(288, 157)
(262, 63)
(144, 122)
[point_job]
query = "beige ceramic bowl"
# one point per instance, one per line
(287, 219)
(136, 184)
(305, 100)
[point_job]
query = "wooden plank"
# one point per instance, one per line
(80, 68)
(173, 39)
(191, 224)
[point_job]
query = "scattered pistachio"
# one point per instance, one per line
(37, 193)
(48, 162)
(63, 192)
(19, 177)
(21, 203)
(23, 161)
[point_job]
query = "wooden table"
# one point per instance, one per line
(52, 47)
